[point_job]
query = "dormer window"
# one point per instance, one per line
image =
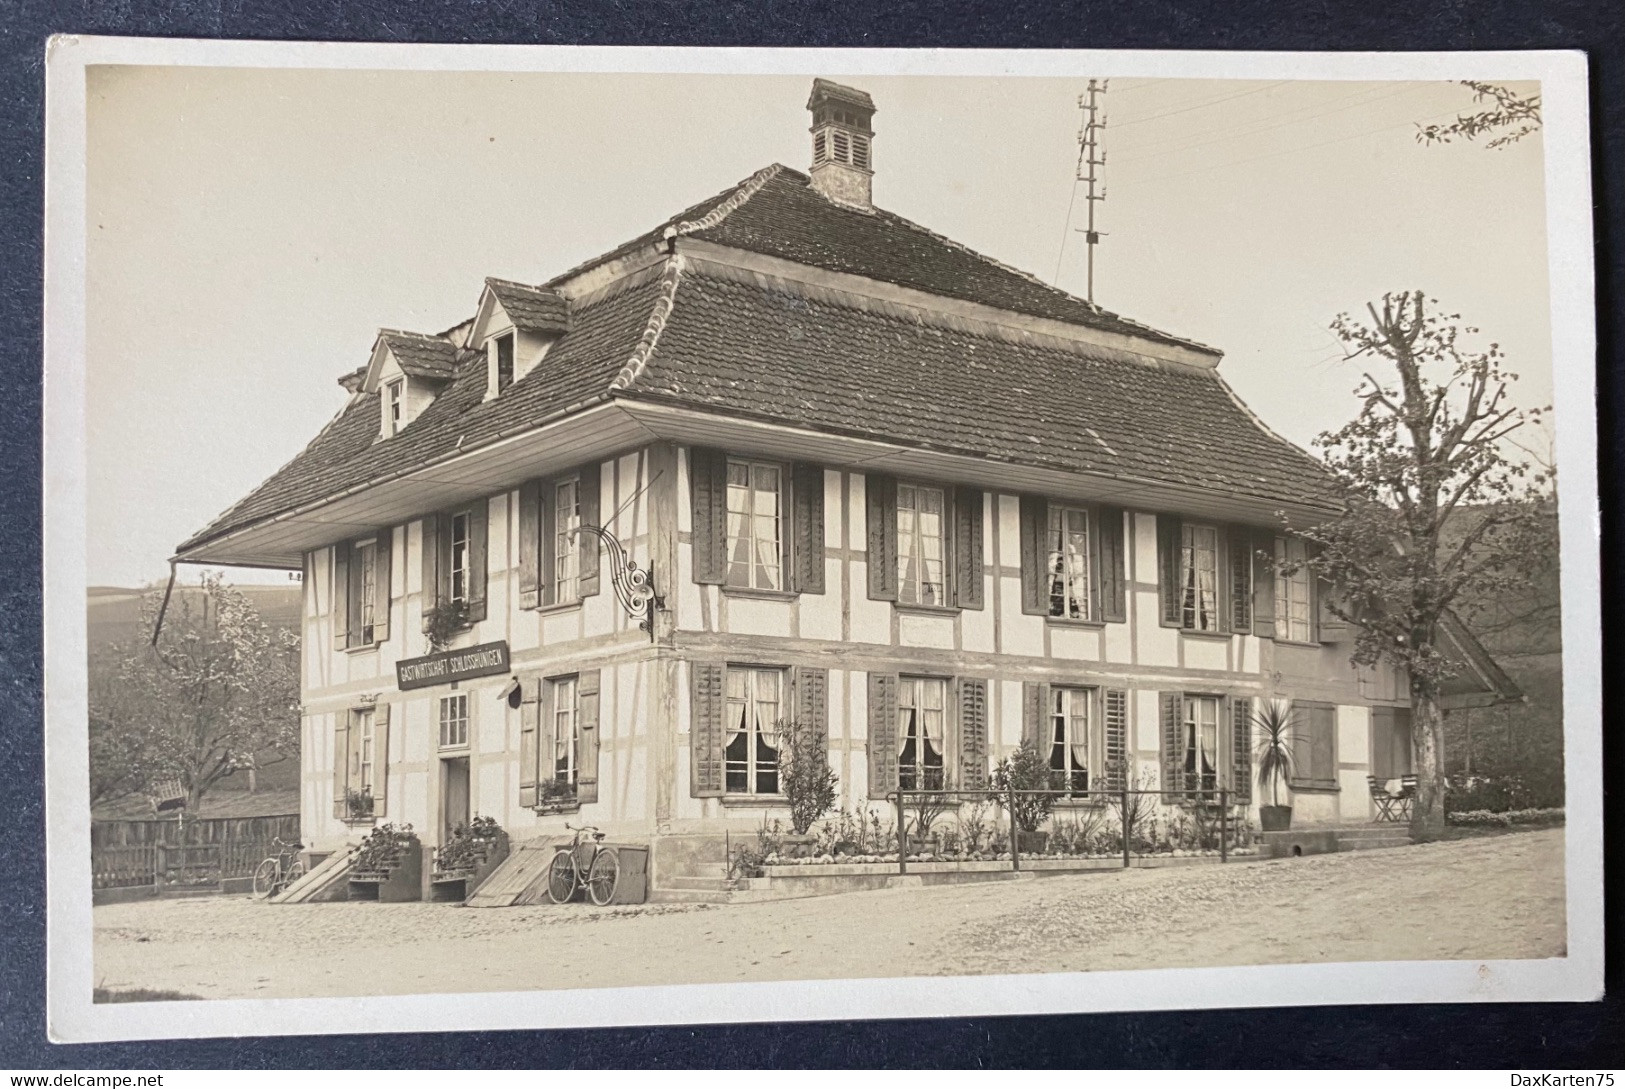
(504, 361)
(394, 406)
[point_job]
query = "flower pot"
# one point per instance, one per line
(1274, 818)
(1032, 843)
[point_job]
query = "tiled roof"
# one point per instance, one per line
(532, 309)
(734, 346)
(421, 356)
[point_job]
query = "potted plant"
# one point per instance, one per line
(805, 777)
(928, 808)
(1275, 721)
(442, 624)
(468, 848)
(555, 796)
(1026, 770)
(358, 805)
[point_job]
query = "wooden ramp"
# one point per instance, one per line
(328, 878)
(521, 878)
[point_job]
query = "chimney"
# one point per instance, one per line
(842, 144)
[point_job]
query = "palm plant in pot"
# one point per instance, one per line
(1275, 721)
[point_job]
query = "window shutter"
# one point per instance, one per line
(807, 495)
(1263, 586)
(353, 590)
(1173, 768)
(1112, 567)
(1329, 627)
(430, 548)
(478, 517)
(341, 595)
(705, 729)
(1325, 742)
(882, 734)
(972, 733)
(380, 606)
(530, 546)
(968, 592)
(708, 488)
(341, 763)
(530, 715)
(1382, 743)
(1241, 749)
(1241, 579)
(1034, 710)
(1114, 713)
(1168, 547)
(546, 733)
(1034, 576)
(812, 702)
(880, 494)
(380, 760)
(589, 491)
(587, 726)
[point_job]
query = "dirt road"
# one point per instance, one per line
(1491, 898)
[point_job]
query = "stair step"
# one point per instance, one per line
(689, 896)
(702, 884)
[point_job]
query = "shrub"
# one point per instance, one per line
(1023, 770)
(805, 777)
(1480, 818)
(929, 808)
(1499, 794)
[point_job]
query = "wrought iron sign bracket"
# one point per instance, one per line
(634, 586)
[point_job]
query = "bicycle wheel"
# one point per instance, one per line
(265, 878)
(294, 873)
(603, 876)
(561, 877)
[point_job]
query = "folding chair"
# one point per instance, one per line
(1385, 801)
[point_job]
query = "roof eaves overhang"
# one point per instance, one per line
(1494, 687)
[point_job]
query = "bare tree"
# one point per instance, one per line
(1512, 116)
(1431, 440)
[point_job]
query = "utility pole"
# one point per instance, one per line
(1091, 157)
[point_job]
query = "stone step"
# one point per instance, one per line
(700, 884)
(690, 896)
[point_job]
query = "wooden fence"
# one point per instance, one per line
(129, 853)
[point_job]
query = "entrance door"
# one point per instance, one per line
(453, 795)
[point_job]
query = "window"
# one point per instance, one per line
(922, 736)
(1292, 613)
(1199, 577)
(566, 730)
(1200, 743)
(1314, 747)
(504, 352)
(1071, 724)
(364, 724)
(1068, 563)
(566, 550)
(366, 570)
(454, 720)
(755, 541)
(460, 557)
(921, 545)
(860, 151)
(394, 405)
(754, 708)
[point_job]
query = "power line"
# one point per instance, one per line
(1204, 105)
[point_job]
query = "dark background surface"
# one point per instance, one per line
(1536, 1037)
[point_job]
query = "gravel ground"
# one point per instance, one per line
(1481, 899)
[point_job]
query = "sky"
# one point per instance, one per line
(250, 230)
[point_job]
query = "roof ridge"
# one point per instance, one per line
(639, 360)
(385, 331)
(742, 193)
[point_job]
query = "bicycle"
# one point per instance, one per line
(584, 866)
(276, 873)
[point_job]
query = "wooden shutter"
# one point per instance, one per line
(883, 691)
(1325, 741)
(1173, 766)
(707, 707)
(880, 494)
(1382, 743)
(341, 595)
(1114, 713)
(354, 636)
(1113, 569)
(1264, 586)
(1034, 556)
(1034, 713)
(1241, 749)
(968, 593)
(708, 489)
(972, 733)
(530, 549)
(587, 730)
(812, 702)
(1241, 579)
(807, 517)
(341, 764)
(1168, 548)
(380, 760)
(478, 517)
(381, 598)
(530, 759)
(1329, 627)
(430, 548)
(547, 726)
(589, 495)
